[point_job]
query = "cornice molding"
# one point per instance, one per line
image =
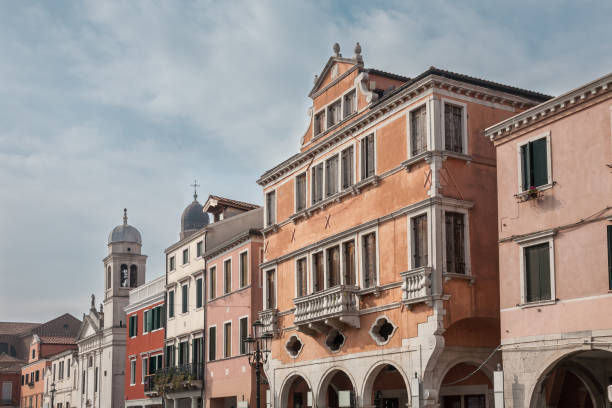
(549, 108)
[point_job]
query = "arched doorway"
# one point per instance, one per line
(385, 387)
(296, 393)
(464, 386)
(336, 391)
(574, 381)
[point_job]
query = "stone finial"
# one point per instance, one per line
(358, 56)
(316, 78)
(101, 308)
(125, 216)
(336, 49)
(93, 301)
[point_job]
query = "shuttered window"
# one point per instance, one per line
(537, 272)
(213, 282)
(319, 122)
(333, 266)
(300, 192)
(534, 164)
(271, 208)
(212, 343)
(227, 276)
(170, 350)
(227, 340)
(270, 289)
(301, 277)
(418, 130)
(317, 183)
(244, 269)
(170, 304)
(333, 114)
(453, 128)
(133, 325)
(317, 273)
(331, 176)
(185, 256)
(199, 293)
(347, 167)
(350, 103)
(455, 242)
(348, 267)
(244, 331)
(185, 298)
(367, 156)
(196, 352)
(369, 259)
(419, 236)
(609, 257)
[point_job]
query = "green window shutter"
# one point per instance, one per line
(171, 304)
(199, 293)
(525, 167)
(610, 257)
(540, 162)
(184, 289)
(149, 320)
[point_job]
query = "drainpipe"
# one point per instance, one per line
(205, 333)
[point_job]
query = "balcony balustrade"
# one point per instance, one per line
(330, 308)
(416, 286)
(176, 379)
(269, 319)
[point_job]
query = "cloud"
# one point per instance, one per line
(107, 105)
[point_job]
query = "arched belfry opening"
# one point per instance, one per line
(133, 276)
(123, 276)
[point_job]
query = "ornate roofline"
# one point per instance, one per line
(545, 110)
(432, 78)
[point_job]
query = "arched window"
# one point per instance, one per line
(133, 276)
(108, 277)
(124, 276)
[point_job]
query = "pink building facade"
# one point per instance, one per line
(555, 230)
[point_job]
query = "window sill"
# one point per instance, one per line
(538, 303)
(462, 276)
(533, 194)
(335, 126)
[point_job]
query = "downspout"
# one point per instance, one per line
(205, 333)
(163, 400)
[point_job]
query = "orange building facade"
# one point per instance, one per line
(555, 249)
(380, 274)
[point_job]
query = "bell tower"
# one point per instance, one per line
(124, 269)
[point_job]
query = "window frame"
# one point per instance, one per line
(227, 289)
(548, 160)
(242, 345)
(265, 288)
(145, 367)
(322, 111)
(225, 342)
(185, 254)
(466, 240)
(241, 284)
(340, 115)
(199, 289)
(185, 298)
(307, 272)
(428, 142)
(267, 220)
(335, 156)
(171, 263)
(211, 343)
(529, 242)
(199, 249)
(171, 303)
(361, 139)
(355, 261)
(412, 240)
(296, 209)
(352, 171)
(361, 258)
(212, 282)
(313, 180)
(132, 374)
(464, 128)
(346, 114)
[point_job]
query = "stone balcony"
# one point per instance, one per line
(269, 319)
(416, 286)
(330, 308)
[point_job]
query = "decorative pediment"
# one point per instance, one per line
(335, 67)
(92, 324)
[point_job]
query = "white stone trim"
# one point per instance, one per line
(287, 345)
(360, 140)
(466, 236)
(464, 128)
(248, 268)
(265, 212)
(410, 236)
(307, 271)
(358, 250)
(548, 161)
(528, 243)
(225, 351)
(379, 341)
(425, 102)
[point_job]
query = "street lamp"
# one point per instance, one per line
(258, 349)
(52, 394)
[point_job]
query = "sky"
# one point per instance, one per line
(106, 105)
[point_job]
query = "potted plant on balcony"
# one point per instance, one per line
(533, 192)
(162, 383)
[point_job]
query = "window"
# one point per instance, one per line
(170, 355)
(333, 266)
(318, 272)
(183, 353)
(33, 354)
(319, 122)
(132, 375)
(347, 167)
(300, 192)
(68, 370)
(155, 363)
(455, 243)
(133, 276)
(609, 229)
(453, 128)
(227, 276)
(348, 254)
(350, 103)
(196, 354)
(270, 289)
(171, 304)
(199, 249)
(154, 318)
(146, 321)
(54, 367)
(171, 264)
(185, 298)
(144, 368)
(7, 391)
(367, 156)
(334, 114)
(212, 343)
(331, 176)
(418, 130)
(227, 339)
(124, 276)
(213, 282)
(185, 256)
(244, 331)
(199, 293)
(38, 373)
(271, 208)
(317, 183)
(534, 163)
(96, 379)
(109, 278)
(301, 277)
(537, 272)
(133, 329)
(244, 269)
(369, 259)
(419, 241)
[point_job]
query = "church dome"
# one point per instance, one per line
(194, 217)
(124, 232)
